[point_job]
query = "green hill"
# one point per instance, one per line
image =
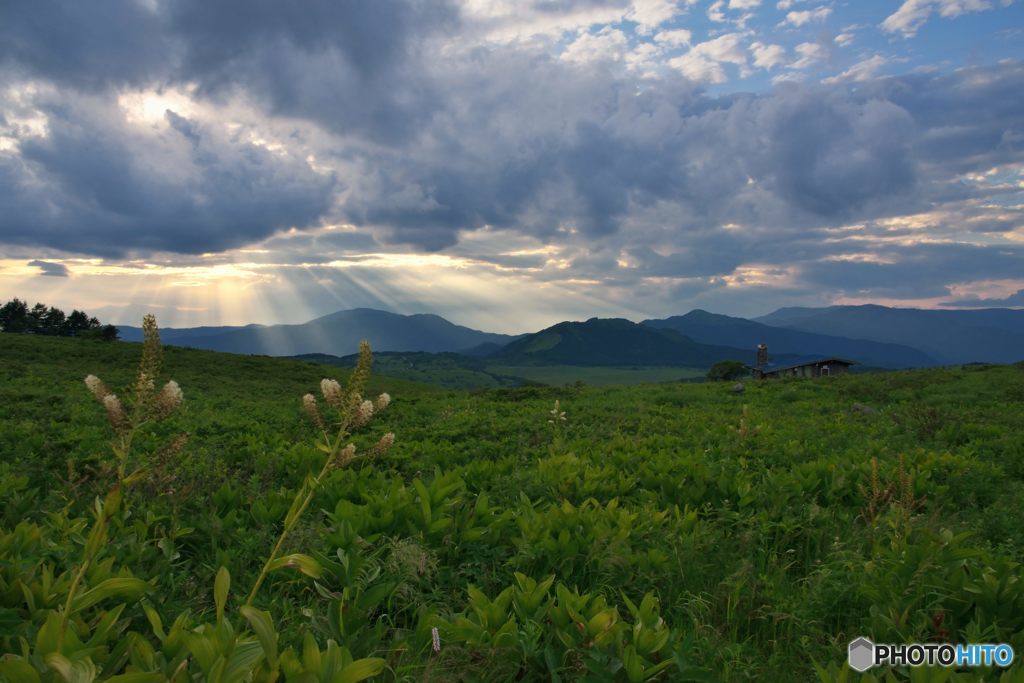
(683, 527)
(614, 342)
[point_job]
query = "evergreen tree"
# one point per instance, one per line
(16, 316)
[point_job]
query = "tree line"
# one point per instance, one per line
(17, 317)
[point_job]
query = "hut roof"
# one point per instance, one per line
(801, 361)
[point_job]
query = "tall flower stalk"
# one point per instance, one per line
(557, 422)
(146, 405)
(346, 411)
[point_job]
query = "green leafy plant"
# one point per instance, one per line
(346, 412)
(749, 538)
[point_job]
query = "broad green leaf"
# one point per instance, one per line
(652, 671)
(304, 563)
(142, 654)
(48, 638)
(202, 648)
(649, 641)
(97, 538)
(18, 670)
(154, 621)
(216, 672)
(602, 621)
(112, 501)
(243, 660)
(78, 671)
(138, 677)
(123, 587)
(221, 586)
(264, 628)
(105, 624)
(134, 477)
(359, 670)
(310, 653)
(633, 664)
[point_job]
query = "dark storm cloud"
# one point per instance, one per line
(92, 186)
(84, 45)
(429, 139)
(923, 270)
(967, 119)
(694, 261)
(548, 144)
(225, 34)
(832, 156)
(95, 186)
(350, 66)
(51, 269)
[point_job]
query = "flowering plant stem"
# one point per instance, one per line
(98, 534)
(353, 413)
(125, 426)
(303, 498)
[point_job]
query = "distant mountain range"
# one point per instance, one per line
(992, 335)
(712, 328)
(337, 334)
(873, 336)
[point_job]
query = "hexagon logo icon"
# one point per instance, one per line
(861, 655)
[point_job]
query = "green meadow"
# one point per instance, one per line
(663, 531)
(596, 376)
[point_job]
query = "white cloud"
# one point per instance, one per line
(674, 38)
(912, 14)
(700, 68)
(810, 54)
(643, 59)
(715, 12)
(954, 8)
(516, 21)
(861, 71)
(704, 61)
(768, 56)
(787, 77)
(607, 44)
(799, 18)
(725, 48)
(650, 14)
(844, 39)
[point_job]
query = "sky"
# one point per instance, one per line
(509, 164)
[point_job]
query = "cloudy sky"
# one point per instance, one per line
(509, 163)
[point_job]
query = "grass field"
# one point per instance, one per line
(449, 371)
(596, 376)
(666, 532)
(452, 371)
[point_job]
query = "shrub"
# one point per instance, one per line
(726, 370)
